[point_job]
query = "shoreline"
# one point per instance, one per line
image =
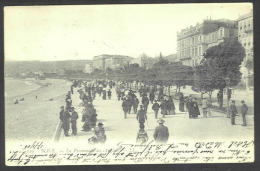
(35, 118)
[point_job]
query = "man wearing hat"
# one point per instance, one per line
(135, 104)
(161, 133)
(233, 110)
(74, 117)
(125, 107)
(66, 122)
(244, 110)
(141, 115)
(156, 108)
(145, 102)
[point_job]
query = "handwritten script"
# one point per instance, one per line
(40, 153)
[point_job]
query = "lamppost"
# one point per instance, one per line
(227, 80)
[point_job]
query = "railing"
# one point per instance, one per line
(57, 132)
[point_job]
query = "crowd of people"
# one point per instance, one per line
(135, 101)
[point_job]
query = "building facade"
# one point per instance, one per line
(245, 33)
(246, 38)
(193, 41)
(103, 62)
(88, 68)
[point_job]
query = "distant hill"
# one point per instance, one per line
(12, 67)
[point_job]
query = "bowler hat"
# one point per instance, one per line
(160, 121)
(100, 123)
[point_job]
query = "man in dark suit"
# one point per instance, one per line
(141, 115)
(161, 133)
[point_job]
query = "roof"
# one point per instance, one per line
(207, 26)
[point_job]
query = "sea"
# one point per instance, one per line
(18, 87)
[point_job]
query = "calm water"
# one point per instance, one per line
(15, 87)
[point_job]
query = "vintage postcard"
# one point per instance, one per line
(129, 84)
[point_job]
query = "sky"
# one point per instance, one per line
(74, 32)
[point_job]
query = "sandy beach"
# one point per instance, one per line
(33, 119)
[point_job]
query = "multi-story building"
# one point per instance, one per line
(245, 33)
(193, 41)
(103, 62)
(245, 37)
(88, 67)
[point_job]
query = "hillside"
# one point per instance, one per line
(12, 67)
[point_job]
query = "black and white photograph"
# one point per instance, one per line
(129, 84)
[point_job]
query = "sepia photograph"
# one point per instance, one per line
(129, 84)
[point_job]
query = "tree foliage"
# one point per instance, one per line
(220, 63)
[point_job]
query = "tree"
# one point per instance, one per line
(204, 81)
(179, 74)
(220, 63)
(172, 73)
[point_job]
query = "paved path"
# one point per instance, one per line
(180, 126)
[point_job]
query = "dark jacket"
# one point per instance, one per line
(161, 134)
(62, 115)
(74, 116)
(125, 106)
(170, 105)
(163, 105)
(244, 109)
(145, 100)
(194, 108)
(66, 120)
(136, 102)
(109, 93)
(233, 109)
(141, 116)
(156, 106)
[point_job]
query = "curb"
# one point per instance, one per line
(57, 132)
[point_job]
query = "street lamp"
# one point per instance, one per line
(227, 80)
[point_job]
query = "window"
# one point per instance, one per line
(221, 33)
